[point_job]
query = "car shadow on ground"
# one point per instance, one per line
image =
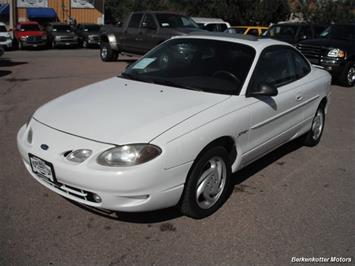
(173, 213)
(4, 73)
(9, 63)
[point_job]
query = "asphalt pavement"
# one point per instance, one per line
(295, 202)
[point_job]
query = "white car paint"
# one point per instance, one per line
(181, 122)
(7, 42)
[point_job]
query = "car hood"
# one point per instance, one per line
(31, 33)
(329, 43)
(121, 111)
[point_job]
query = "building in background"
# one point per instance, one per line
(44, 11)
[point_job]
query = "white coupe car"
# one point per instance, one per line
(175, 124)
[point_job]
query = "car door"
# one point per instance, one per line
(148, 32)
(273, 120)
(131, 40)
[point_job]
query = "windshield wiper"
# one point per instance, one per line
(174, 84)
(131, 76)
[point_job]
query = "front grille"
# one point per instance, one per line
(313, 53)
(3, 39)
(67, 38)
(94, 38)
(72, 191)
(33, 38)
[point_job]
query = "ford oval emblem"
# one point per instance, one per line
(44, 147)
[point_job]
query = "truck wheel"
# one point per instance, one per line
(53, 44)
(313, 136)
(347, 77)
(107, 54)
(20, 45)
(85, 44)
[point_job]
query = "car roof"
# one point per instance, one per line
(250, 40)
(251, 27)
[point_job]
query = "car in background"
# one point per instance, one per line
(5, 37)
(174, 126)
(211, 24)
(335, 51)
(88, 34)
(29, 34)
(247, 30)
(61, 35)
(293, 33)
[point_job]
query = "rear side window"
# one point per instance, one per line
(302, 67)
(135, 20)
(254, 32)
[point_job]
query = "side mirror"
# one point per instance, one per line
(263, 89)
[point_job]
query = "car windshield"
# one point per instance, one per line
(196, 64)
(175, 21)
(92, 28)
(235, 30)
(341, 32)
(3, 29)
(62, 28)
(281, 30)
(30, 27)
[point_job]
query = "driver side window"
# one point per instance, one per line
(275, 67)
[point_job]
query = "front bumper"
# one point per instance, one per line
(69, 42)
(144, 187)
(6, 44)
(333, 65)
(34, 44)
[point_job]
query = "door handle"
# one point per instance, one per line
(299, 98)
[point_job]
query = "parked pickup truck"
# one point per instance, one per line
(335, 51)
(29, 34)
(142, 31)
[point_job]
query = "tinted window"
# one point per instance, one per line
(220, 27)
(207, 65)
(30, 27)
(275, 67)
(254, 32)
(175, 21)
(149, 21)
(305, 33)
(302, 67)
(135, 20)
(341, 32)
(3, 29)
(62, 28)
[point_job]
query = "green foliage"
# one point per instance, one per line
(325, 11)
(239, 12)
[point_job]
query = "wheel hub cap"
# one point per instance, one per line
(211, 183)
(317, 125)
(351, 75)
(104, 52)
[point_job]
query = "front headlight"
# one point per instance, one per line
(129, 155)
(23, 38)
(336, 53)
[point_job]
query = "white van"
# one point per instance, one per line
(211, 24)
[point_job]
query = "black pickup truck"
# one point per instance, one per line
(142, 31)
(335, 51)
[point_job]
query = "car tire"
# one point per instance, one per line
(208, 184)
(347, 77)
(313, 136)
(20, 45)
(107, 54)
(53, 45)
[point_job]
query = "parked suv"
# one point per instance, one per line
(5, 37)
(211, 24)
(61, 34)
(30, 34)
(294, 32)
(335, 51)
(88, 34)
